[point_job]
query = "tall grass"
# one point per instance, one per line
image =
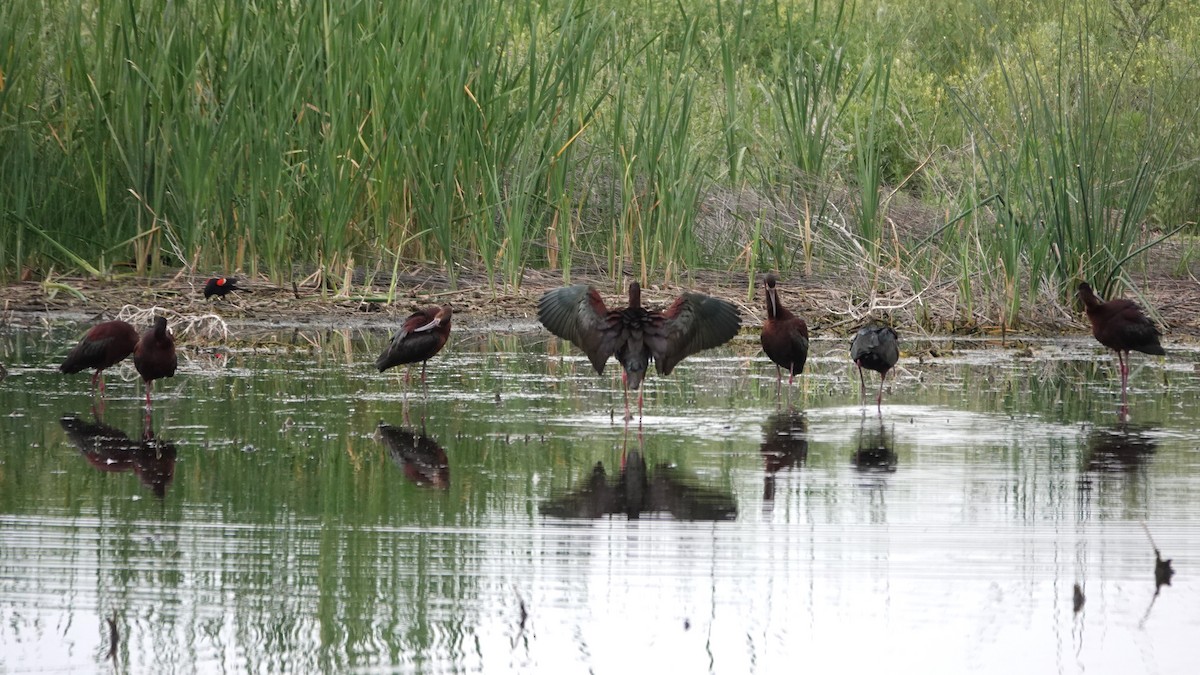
(1077, 167)
(281, 137)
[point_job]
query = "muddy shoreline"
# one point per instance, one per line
(479, 306)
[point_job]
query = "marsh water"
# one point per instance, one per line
(289, 509)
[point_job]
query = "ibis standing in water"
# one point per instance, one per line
(421, 337)
(103, 346)
(784, 337)
(1121, 326)
(876, 348)
(634, 334)
(154, 357)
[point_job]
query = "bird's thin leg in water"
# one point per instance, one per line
(879, 397)
(778, 380)
(625, 389)
(422, 372)
(639, 406)
(148, 385)
(1124, 374)
(862, 385)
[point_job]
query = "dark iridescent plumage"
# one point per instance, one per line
(103, 346)
(422, 336)
(1121, 326)
(636, 335)
(784, 336)
(875, 347)
(154, 356)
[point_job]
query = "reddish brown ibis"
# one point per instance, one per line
(634, 334)
(784, 337)
(103, 346)
(875, 347)
(422, 336)
(1121, 326)
(155, 357)
(221, 287)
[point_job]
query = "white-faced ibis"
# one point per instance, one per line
(875, 347)
(784, 337)
(154, 356)
(1121, 326)
(221, 287)
(423, 335)
(634, 334)
(103, 346)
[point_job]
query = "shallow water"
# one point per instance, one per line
(504, 518)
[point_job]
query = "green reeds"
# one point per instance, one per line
(1077, 166)
(275, 136)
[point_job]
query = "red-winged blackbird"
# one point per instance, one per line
(222, 286)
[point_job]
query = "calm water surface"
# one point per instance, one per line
(288, 509)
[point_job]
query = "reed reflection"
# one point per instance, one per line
(422, 459)
(873, 447)
(108, 449)
(784, 445)
(639, 490)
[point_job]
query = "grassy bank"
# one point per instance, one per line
(1007, 148)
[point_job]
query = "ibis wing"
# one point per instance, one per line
(1140, 332)
(86, 354)
(413, 342)
(578, 315)
(693, 323)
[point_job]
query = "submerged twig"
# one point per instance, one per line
(202, 325)
(114, 636)
(1162, 568)
(1162, 574)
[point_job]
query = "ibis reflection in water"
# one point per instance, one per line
(1112, 462)
(111, 450)
(784, 446)
(638, 490)
(873, 447)
(424, 461)
(1122, 447)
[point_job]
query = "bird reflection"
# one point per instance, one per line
(111, 450)
(784, 445)
(873, 448)
(639, 490)
(424, 461)
(1122, 448)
